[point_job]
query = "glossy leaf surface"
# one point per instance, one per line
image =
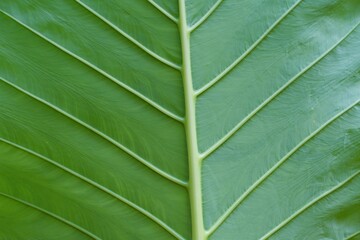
(189, 119)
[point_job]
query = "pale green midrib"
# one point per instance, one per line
(163, 11)
(257, 183)
(138, 94)
(195, 194)
(130, 38)
(101, 134)
(98, 186)
(52, 215)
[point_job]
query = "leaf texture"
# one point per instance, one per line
(180, 119)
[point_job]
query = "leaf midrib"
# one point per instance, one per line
(194, 161)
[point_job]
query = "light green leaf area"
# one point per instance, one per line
(179, 119)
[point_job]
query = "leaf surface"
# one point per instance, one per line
(186, 119)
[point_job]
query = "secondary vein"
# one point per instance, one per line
(97, 186)
(99, 133)
(130, 38)
(206, 16)
(308, 205)
(102, 72)
(61, 219)
(163, 11)
(273, 96)
(238, 201)
(246, 53)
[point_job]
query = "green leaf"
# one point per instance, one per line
(188, 119)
